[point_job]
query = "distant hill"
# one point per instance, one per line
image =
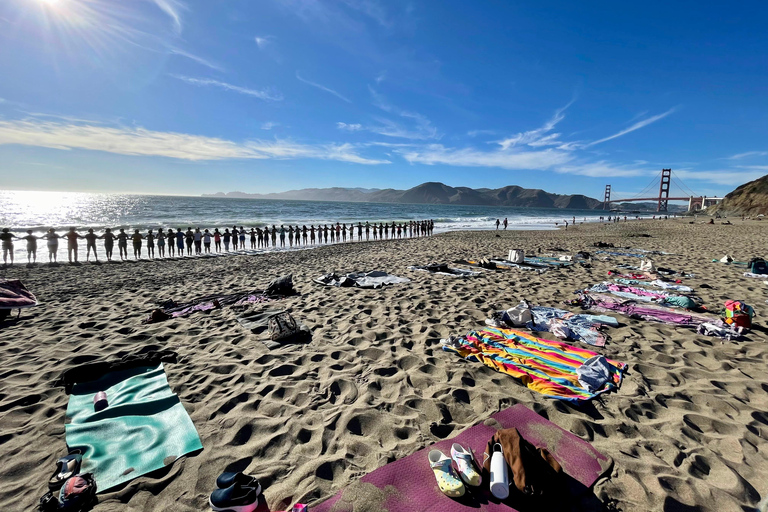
(434, 193)
(748, 199)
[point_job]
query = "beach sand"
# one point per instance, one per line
(686, 430)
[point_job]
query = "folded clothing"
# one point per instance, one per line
(594, 373)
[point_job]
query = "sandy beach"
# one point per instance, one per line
(686, 430)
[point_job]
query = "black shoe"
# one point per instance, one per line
(235, 499)
(236, 478)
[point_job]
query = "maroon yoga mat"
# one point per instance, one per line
(409, 485)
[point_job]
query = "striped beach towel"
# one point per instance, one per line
(548, 367)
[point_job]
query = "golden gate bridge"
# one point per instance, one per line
(665, 179)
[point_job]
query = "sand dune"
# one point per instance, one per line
(685, 431)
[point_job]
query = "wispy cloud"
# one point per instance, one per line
(269, 125)
(434, 154)
(603, 169)
(731, 177)
(421, 129)
(264, 94)
(381, 77)
(349, 127)
(172, 8)
(475, 133)
(195, 58)
(538, 137)
(322, 88)
(636, 126)
(264, 41)
(748, 154)
(139, 141)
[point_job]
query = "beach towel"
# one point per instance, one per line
(445, 270)
(547, 367)
(172, 309)
(628, 292)
(14, 295)
(540, 269)
(144, 428)
(626, 254)
(258, 323)
(373, 279)
(657, 284)
(655, 313)
(408, 484)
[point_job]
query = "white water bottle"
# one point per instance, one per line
(499, 476)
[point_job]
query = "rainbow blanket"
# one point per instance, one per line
(548, 367)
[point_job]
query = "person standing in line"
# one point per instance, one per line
(7, 239)
(282, 235)
(217, 239)
(227, 238)
(150, 244)
(189, 239)
(72, 237)
(235, 234)
(274, 236)
(253, 238)
(198, 241)
(325, 233)
(180, 242)
(242, 238)
(207, 241)
(386, 231)
(367, 231)
(53, 245)
(266, 237)
(304, 232)
(137, 238)
(109, 242)
(333, 233)
(375, 232)
(359, 232)
(344, 233)
(161, 243)
(290, 235)
(171, 242)
(90, 244)
(506, 223)
(351, 231)
(122, 244)
(31, 246)
(312, 234)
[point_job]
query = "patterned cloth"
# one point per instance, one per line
(548, 367)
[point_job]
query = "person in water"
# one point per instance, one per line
(217, 239)
(161, 243)
(150, 244)
(171, 242)
(31, 246)
(6, 237)
(207, 241)
(137, 238)
(189, 239)
(242, 237)
(72, 237)
(109, 242)
(90, 244)
(282, 235)
(234, 238)
(180, 242)
(227, 238)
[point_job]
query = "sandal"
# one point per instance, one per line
(465, 462)
(447, 480)
(66, 467)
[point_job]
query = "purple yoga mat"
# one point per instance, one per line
(409, 485)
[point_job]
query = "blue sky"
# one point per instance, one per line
(188, 97)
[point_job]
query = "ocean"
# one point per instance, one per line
(39, 211)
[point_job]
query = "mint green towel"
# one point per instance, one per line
(144, 428)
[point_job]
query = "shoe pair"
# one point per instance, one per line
(236, 492)
(448, 481)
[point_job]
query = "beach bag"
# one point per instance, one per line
(282, 326)
(78, 493)
(738, 314)
(516, 256)
(519, 315)
(758, 266)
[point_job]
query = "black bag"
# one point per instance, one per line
(282, 326)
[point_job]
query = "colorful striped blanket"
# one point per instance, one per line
(548, 367)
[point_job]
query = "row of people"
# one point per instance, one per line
(200, 240)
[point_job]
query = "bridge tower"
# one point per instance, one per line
(666, 177)
(607, 202)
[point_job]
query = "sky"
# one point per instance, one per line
(192, 97)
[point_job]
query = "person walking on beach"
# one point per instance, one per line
(150, 244)
(122, 244)
(72, 237)
(207, 241)
(6, 237)
(31, 246)
(497, 224)
(161, 243)
(506, 223)
(90, 244)
(53, 245)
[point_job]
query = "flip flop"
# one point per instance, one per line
(465, 462)
(66, 467)
(447, 480)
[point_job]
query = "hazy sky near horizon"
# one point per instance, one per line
(189, 97)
